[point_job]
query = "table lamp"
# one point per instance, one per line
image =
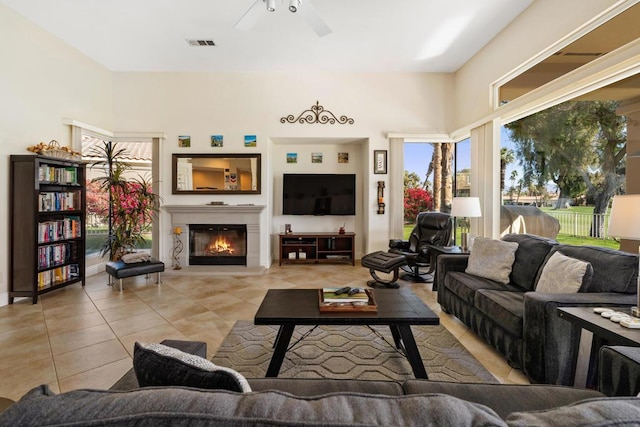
(465, 207)
(623, 223)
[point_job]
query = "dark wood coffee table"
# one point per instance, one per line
(397, 308)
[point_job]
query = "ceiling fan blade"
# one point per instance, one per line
(313, 18)
(251, 16)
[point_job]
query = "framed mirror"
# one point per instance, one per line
(215, 174)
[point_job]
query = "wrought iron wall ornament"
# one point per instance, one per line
(317, 114)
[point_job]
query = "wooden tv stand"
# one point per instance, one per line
(316, 248)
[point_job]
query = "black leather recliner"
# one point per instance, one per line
(432, 228)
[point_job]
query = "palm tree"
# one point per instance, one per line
(506, 157)
(513, 177)
(447, 175)
(436, 167)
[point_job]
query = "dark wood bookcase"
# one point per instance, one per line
(47, 225)
(317, 248)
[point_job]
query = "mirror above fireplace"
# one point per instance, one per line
(216, 173)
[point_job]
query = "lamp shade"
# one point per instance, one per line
(466, 207)
(623, 222)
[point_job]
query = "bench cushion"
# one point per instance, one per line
(120, 269)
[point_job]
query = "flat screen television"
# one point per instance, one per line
(318, 194)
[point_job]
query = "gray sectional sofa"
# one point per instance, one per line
(522, 324)
(314, 402)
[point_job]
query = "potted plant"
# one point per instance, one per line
(131, 202)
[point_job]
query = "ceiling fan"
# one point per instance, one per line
(301, 7)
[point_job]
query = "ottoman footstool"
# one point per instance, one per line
(385, 262)
(120, 270)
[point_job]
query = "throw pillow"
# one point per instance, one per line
(562, 275)
(492, 259)
(134, 257)
(160, 365)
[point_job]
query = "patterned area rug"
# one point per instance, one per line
(348, 352)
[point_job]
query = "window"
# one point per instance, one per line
(139, 157)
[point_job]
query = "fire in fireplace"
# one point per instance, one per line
(217, 244)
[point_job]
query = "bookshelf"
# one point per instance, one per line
(47, 225)
(317, 248)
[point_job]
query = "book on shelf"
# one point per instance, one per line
(329, 296)
(58, 174)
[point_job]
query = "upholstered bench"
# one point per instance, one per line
(120, 270)
(385, 262)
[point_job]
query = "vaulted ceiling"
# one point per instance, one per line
(366, 35)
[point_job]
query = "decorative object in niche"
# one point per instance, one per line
(317, 114)
(380, 161)
(343, 157)
(292, 157)
(316, 157)
(216, 173)
(380, 197)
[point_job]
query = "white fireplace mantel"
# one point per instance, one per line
(249, 215)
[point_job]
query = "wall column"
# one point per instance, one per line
(631, 109)
(394, 195)
(485, 178)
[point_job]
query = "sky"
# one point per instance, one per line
(417, 156)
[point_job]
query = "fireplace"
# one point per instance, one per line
(217, 244)
(250, 215)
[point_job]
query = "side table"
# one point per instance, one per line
(595, 326)
(434, 251)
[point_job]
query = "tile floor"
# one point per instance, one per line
(79, 337)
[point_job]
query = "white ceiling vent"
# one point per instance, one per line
(195, 42)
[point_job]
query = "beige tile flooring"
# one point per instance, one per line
(79, 337)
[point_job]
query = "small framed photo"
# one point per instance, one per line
(380, 161)
(316, 157)
(343, 157)
(216, 140)
(250, 141)
(292, 157)
(184, 141)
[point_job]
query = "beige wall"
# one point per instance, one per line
(42, 81)
(237, 104)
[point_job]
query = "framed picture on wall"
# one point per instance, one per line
(217, 140)
(250, 141)
(380, 161)
(184, 141)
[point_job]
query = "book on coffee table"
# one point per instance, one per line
(361, 301)
(329, 295)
